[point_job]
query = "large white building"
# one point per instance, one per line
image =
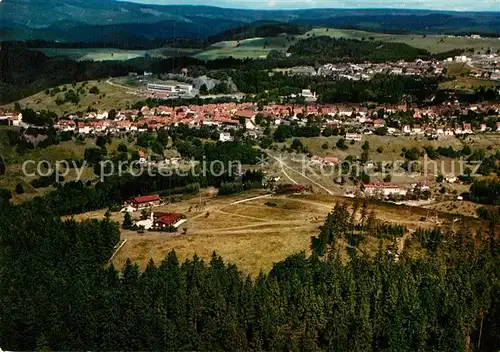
(384, 190)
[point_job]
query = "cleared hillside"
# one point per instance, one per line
(109, 97)
(258, 47)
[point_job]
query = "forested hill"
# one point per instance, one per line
(259, 29)
(26, 72)
(327, 49)
(57, 293)
(27, 17)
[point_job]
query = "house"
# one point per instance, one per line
(12, 117)
(83, 128)
(467, 128)
(325, 160)
(383, 189)
(483, 127)
(225, 137)
(246, 114)
(417, 129)
(391, 130)
(308, 95)
(406, 129)
(451, 179)
(101, 115)
(98, 126)
(250, 124)
(291, 188)
(498, 126)
(142, 157)
(378, 123)
(144, 201)
(169, 220)
(345, 111)
(65, 125)
(16, 119)
(423, 186)
(353, 137)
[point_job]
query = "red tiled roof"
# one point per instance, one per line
(294, 187)
(147, 199)
(244, 113)
(381, 186)
(170, 219)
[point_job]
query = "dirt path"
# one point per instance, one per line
(250, 199)
(311, 202)
(135, 91)
(284, 165)
(239, 215)
(284, 224)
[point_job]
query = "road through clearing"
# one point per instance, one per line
(283, 165)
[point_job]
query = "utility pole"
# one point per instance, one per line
(480, 332)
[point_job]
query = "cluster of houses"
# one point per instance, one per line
(387, 189)
(357, 120)
(156, 220)
(11, 117)
(229, 116)
(365, 71)
(486, 66)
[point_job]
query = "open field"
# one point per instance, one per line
(467, 83)
(260, 47)
(432, 43)
(251, 234)
(112, 54)
(94, 54)
(392, 145)
(256, 48)
(65, 150)
(109, 97)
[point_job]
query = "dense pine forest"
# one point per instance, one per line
(57, 292)
(26, 72)
(327, 49)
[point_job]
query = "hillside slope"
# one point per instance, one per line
(68, 20)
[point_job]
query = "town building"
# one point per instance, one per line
(168, 220)
(144, 201)
(354, 137)
(384, 190)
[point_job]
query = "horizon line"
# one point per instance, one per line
(311, 8)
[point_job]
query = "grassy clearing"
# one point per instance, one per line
(65, 150)
(391, 146)
(94, 54)
(110, 97)
(253, 235)
(467, 83)
(113, 54)
(260, 47)
(256, 48)
(432, 43)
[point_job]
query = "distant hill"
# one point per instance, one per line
(259, 29)
(326, 49)
(188, 28)
(416, 22)
(119, 21)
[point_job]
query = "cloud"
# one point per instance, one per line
(458, 5)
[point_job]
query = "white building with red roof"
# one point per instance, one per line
(384, 189)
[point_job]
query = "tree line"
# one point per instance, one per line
(57, 292)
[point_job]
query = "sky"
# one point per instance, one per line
(455, 5)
